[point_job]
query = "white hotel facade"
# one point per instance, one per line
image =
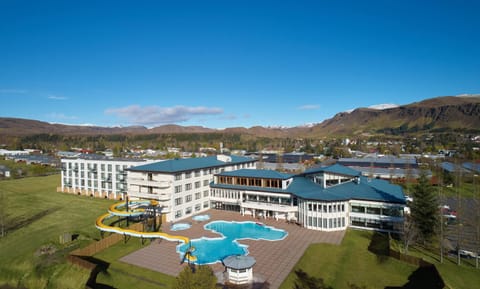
(96, 176)
(181, 186)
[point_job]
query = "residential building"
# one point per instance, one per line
(4, 171)
(181, 186)
(326, 199)
(96, 175)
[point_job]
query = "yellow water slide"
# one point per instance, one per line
(135, 211)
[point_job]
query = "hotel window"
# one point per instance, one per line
(178, 201)
(343, 208)
(205, 183)
(188, 175)
(324, 208)
(325, 223)
(198, 196)
(197, 173)
(178, 214)
(358, 209)
(329, 208)
(205, 193)
(330, 223)
(198, 207)
(178, 189)
(178, 177)
(188, 187)
(188, 198)
(374, 211)
(205, 204)
(109, 167)
(197, 185)
(188, 210)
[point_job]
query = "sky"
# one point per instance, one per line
(230, 63)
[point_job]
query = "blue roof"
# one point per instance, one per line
(472, 167)
(366, 189)
(335, 169)
(452, 168)
(181, 165)
(253, 173)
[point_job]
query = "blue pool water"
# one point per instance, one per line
(212, 250)
(180, 226)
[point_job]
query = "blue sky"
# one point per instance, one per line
(230, 63)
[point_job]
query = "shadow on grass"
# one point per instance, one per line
(380, 246)
(426, 277)
(101, 266)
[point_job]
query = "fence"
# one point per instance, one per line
(104, 243)
(77, 257)
(409, 259)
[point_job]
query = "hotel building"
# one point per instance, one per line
(181, 186)
(96, 176)
(327, 199)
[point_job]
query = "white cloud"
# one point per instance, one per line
(56, 97)
(12, 91)
(153, 115)
(309, 107)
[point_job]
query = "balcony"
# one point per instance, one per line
(376, 217)
(154, 196)
(149, 183)
(269, 206)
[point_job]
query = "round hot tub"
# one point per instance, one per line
(180, 226)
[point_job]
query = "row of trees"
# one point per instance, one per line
(331, 146)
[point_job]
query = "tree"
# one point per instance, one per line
(424, 208)
(200, 277)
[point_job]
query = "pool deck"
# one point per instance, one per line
(275, 259)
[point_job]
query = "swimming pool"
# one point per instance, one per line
(212, 250)
(180, 226)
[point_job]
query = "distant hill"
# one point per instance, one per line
(439, 114)
(449, 113)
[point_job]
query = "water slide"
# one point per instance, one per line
(135, 210)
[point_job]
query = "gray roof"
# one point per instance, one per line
(239, 262)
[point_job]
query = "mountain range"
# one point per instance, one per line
(440, 114)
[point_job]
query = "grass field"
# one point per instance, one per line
(465, 276)
(351, 263)
(36, 216)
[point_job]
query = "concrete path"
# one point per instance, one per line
(275, 260)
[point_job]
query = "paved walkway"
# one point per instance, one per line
(274, 259)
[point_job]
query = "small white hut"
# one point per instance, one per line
(239, 269)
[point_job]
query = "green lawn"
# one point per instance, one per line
(36, 216)
(465, 276)
(351, 263)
